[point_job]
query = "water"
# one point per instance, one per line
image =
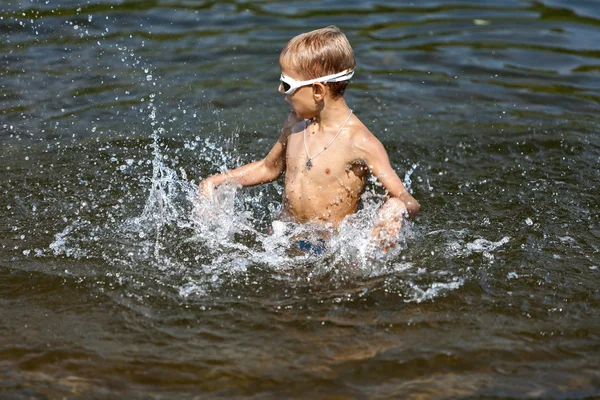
(115, 281)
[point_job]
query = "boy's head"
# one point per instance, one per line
(320, 53)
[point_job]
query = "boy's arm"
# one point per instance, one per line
(389, 223)
(378, 162)
(263, 171)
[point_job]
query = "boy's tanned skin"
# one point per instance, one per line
(330, 189)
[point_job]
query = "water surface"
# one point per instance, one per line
(115, 282)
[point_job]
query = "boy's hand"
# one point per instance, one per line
(204, 206)
(386, 230)
(206, 189)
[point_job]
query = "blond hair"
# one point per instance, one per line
(319, 53)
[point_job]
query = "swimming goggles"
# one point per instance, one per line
(290, 85)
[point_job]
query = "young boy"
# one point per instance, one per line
(324, 149)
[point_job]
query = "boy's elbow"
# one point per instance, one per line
(276, 174)
(411, 204)
(413, 208)
(272, 172)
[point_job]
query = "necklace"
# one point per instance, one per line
(309, 161)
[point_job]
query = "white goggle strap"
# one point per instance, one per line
(343, 76)
(339, 77)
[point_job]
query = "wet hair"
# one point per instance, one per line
(319, 53)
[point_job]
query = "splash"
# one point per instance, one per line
(222, 237)
(196, 245)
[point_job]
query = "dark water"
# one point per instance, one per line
(113, 286)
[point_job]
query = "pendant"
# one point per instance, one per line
(308, 164)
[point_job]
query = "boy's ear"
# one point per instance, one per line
(318, 91)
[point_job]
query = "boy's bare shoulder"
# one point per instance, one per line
(362, 139)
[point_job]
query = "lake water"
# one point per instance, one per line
(115, 282)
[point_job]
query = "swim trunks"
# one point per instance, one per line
(316, 247)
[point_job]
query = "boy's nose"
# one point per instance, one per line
(280, 88)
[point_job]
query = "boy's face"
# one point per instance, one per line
(305, 100)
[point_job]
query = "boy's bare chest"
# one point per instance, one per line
(318, 162)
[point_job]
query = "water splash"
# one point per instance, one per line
(196, 245)
(201, 244)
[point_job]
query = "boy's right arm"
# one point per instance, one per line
(258, 172)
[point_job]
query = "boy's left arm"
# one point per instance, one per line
(389, 223)
(378, 162)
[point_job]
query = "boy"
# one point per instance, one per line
(324, 149)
